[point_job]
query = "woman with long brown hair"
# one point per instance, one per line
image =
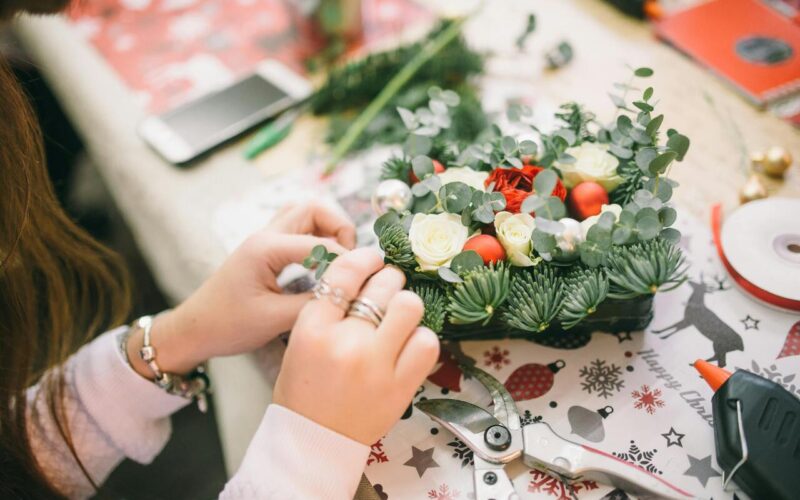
(74, 401)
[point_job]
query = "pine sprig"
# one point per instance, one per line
(478, 297)
(644, 268)
(397, 248)
(435, 302)
(396, 167)
(584, 290)
(534, 300)
(633, 181)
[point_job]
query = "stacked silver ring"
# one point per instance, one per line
(366, 309)
(336, 295)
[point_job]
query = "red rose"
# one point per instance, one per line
(516, 184)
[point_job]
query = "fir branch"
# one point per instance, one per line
(633, 180)
(577, 119)
(397, 248)
(644, 268)
(534, 300)
(584, 290)
(396, 167)
(435, 302)
(394, 85)
(479, 296)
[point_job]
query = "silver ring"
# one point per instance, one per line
(336, 295)
(372, 306)
(359, 310)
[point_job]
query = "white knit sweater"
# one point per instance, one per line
(114, 413)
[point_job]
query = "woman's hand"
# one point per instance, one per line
(344, 373)
(241, 306)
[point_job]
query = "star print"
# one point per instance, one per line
(701, 469)
(674, 437)
(750, 323)
(623, 336)
(422, 460)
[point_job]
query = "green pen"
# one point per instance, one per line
(272, 133)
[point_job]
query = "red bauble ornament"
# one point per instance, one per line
(586, 199)
(791, 346)
(488, 247)
(438, 168)
(532, 380)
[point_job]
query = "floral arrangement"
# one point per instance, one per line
(527, 237)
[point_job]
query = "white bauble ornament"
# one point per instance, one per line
(568, 240)
(391, 194)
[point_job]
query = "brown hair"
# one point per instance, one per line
(58, 289)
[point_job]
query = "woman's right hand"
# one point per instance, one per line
(344, 373)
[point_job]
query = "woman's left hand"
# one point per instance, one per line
(241, 307)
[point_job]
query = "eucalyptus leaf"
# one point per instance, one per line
(549, 226)
(450, 98)
(448, 275)
(643, 106)
(648, 228)
(408, 117)
(497, 201)
(484, 214)
(661, 187)
(600, 236)
(567, 134)
(670, 234)
(620, 152)
(422, 166)
(667, 215)
(643, 158)
(640, 136)
(543, 242)
(567, 158)
(420, 189)
(661, 162)
(680, 144)
(417, 145)
(514, 161)
(648, 93)
(544, 182)
(383, 222)
(466, 261)
(466, 217)
(508, 144)
(424, 204)
(455, 197)
(555, 208)
(527, 147)
(654, 125)
(319, 252)
(621, 235)
(624, 123)
(606, 220)
(532, 203)
(627, 218)
(618, 101)
(643, 72)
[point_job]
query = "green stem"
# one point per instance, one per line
(390, 90)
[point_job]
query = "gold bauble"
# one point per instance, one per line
(753, 189)
(776, 161)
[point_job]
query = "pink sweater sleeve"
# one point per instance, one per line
(113, 413)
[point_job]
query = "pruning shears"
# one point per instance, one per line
(499, 438)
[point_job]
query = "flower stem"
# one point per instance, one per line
(390, 90)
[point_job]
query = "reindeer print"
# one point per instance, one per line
(724, 339)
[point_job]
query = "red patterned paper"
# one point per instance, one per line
(168, 51)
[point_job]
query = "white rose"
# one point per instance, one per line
(591, 221)
(436, 239)
(592, 162)
(514, 232)
(472, 178)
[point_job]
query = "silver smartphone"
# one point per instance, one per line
(199, 126)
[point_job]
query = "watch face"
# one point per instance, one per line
(763, 50)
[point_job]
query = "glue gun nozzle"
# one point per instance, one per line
(714, 375)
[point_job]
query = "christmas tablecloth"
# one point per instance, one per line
(633, 394)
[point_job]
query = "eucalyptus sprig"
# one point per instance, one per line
(319, 259)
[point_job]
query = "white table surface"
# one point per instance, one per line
(170, 210)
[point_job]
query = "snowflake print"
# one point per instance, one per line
(647, 398)
(376, 453)
(462, 452)
(640, 458)
(444, 493)
(601, 378)
(528, 418)
(542, 482)
(497, 358)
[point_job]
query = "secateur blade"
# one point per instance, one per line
(504, 409)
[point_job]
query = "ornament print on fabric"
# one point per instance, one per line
(410, 410)
(674, 438)
(447, 375)
(701, 469)
(443, 492)
(555, 487)
(791, 346)
(496, 358)
(376, 453)
(640, 458)
(462, 452)
(601, 378)
(382, 495)
(421, 460)
(648, 399)
(532, 380)
(750, 323)
(617, 494)
(724, 339)
(588, 424)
